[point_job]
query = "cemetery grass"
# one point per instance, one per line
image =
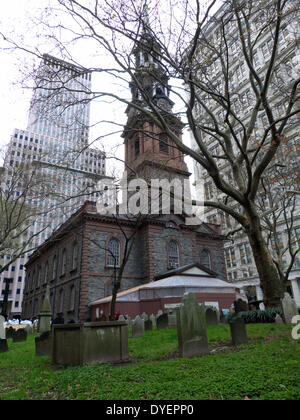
(267, 368)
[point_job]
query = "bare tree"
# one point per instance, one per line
(210, 53)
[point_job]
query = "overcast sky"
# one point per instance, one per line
(17, 20)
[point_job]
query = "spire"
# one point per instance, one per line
(145, 16)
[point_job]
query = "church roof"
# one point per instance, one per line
(190, 278)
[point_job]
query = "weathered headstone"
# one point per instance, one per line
(9, 332)
(138, 327)
(238, 331)
(3, 345)
(191, 327)
(289, 308)
(3, 341)
(19, 335)
(43, 344)
(162, 322)
(148, 325)
(278, 319)
(159, 313)
(212, 316)
(144, 316)
(29, 329)
(44, 323)
(172, 320)
(153, 319)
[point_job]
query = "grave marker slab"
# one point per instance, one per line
(191, 327)
(19, 335)
(289, 308)
(238, 331)
(162, 322)
(2, 328)
(138, 327)
(148, 325)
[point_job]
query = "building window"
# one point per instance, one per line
(113, 253)
(61, 301)
(64, 262)
(75, 256)
(205, 258)
(163, 143)
(54, 268)
(72, 298)
(137, 147)
(46, 272)
(173, 254)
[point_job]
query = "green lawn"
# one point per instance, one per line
(267, 368)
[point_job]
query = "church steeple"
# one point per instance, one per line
(147, 146)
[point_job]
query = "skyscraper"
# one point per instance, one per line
(55, 148)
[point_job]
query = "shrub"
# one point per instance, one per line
(253, 317)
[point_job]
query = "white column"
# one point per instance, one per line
(296, 290)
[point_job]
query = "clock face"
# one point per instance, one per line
(162, 103)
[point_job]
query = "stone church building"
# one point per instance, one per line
(80, 259)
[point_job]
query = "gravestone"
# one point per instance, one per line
(3, 345)
(162, 322)
(19, 335)
(144, 316)
(2, 328)
(153, 320)
(3, 341)
(289, 308)
(238, 331)
(9, 332)
(44, 323)
(148, 325)
(278, 319)
(172, 320)
(29, 329)
(212, 317)
(43, 344)
(138, 327)
(191, 327)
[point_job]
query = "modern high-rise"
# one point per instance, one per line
(55, 146)
(223, 28)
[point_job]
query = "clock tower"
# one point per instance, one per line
(149, 152)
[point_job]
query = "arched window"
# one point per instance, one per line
(113, 253)
(75, 256)
(64, 262)
(205, 258)
(173, 254)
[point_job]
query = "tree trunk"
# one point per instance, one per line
(270, 282)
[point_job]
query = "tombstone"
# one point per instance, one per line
(59, 320)
(3, 345)
(138, 327)
(29, 329)
(3, 341)
(2, 328)
(148, 325)
(278, 319)
(19, 335)
(191, 327)
(162, 322)
(144, 316)
(172, 320)
(43, 344)
(289, 308)
(212, 316)
(153, 320)
(9, 332)
(44, 323)
(238, 331)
